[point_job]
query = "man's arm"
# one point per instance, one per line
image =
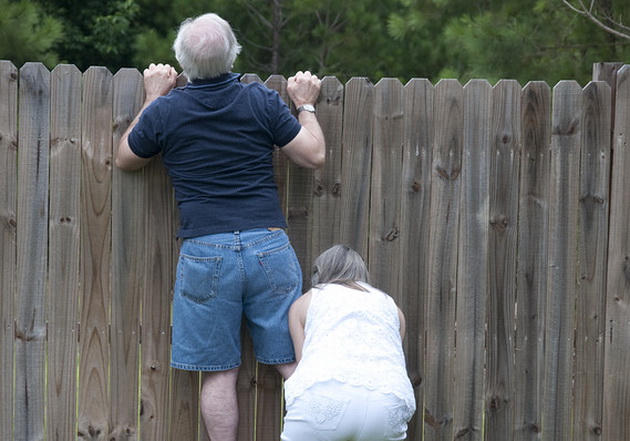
(308, 148)
(158, 80)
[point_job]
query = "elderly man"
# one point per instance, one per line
(216, 137)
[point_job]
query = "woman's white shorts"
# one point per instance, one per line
(334, 411)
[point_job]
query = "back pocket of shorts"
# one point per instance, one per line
(198, 277)
(326, 412)
(282, 269)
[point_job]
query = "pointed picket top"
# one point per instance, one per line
(279, 84)
(250, 78)
(477, 82)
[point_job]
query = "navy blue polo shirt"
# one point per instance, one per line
(217, 138)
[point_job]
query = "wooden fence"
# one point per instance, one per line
(498, 217)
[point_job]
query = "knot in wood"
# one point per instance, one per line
(319, 188)
(566, 128)
(392, 235)
(12, 223)
(336, 189)
(499, 223)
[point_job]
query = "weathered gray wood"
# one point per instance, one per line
(593, 247)
(96, 248)
(64, 245)
(442, 256)
(8, 240)
(571, 277)
(32, 251)
(128, 256)
(384, 231)
(159, 272)
(617, 358)
(472, 270)
(531, 278)
(356, 164)
(504, 192)
(561, 282)
(607, 72)
(183, 412)
(326, 210)
(414, 232)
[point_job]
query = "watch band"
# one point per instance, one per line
(306, 108)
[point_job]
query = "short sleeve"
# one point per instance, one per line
(286, 125)
(143, 138)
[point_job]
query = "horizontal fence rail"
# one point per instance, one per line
(497, 216)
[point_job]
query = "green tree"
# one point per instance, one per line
(27, 34)
(541, 40)
(607, 15)
(95, 32)
(328, 37)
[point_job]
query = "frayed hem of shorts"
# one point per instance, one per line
(204, 368)
(276, 361)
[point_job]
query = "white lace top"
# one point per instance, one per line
(352, 336)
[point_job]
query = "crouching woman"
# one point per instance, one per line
(351, 382)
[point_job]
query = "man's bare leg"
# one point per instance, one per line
(219, 404)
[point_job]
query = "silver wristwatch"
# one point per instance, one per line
(306, 108)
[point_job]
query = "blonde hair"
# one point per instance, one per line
(205, 47)
(342, 265)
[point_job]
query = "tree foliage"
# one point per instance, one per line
(27, 34)
(95, 32)
(539, 40)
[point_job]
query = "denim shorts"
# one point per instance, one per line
(224, 277)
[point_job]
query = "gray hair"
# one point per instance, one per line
(205, 47)
(342, 265)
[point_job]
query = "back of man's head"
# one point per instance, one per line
(205, 47)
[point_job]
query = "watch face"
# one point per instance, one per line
(307, 107)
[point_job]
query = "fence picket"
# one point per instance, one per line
(128, 227)
(356, 162)
(504, 192)
(593, 209)
(64, 244)
(531, 278)
(472, 271)
(414, 232)
(384, 245)
(96, 248)
(32, 251)
(617, 357)
(157, 415)
(442, 254)
(8, 241)
(325, 217)
(561, 282)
